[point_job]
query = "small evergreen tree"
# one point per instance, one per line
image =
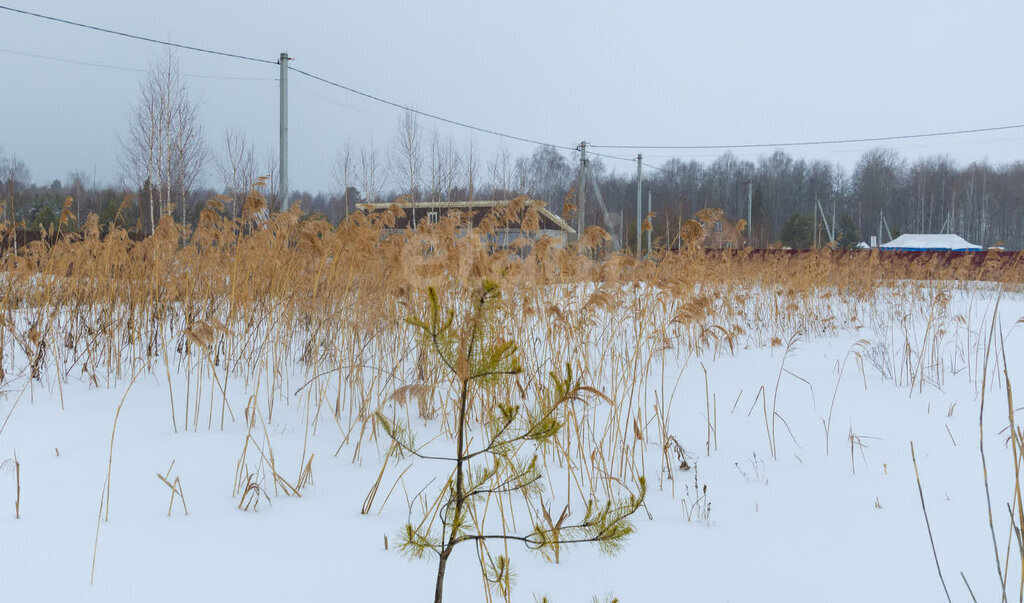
(475, 360)
(798, 232)
(45, 218)
(849, 237)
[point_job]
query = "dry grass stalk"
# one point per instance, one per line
(928, 524)
(14, 467)
(244, 305)
(176, 489)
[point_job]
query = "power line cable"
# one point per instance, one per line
(629, 159)
(477, 128)
(814, 142)
(654, 167)
(426, 114)
(335, 101)
(300, 71)
(137, 37)
(132, 69)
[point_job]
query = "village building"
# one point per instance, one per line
(720, 233)
(930, 242)
(503, 235)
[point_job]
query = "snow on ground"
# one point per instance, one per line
(805, 526)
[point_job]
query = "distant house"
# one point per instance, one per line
(720, 233)
(502, 235)
(708, 228)
(929, 242)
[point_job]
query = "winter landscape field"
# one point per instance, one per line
(269, 408)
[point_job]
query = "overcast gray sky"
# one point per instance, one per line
(609, 72)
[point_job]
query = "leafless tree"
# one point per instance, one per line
(549, 175)
(521, 175)
(238, 168)
(449, 168)
(271, 181)
(471, 165)
(878, 183)
(434, 165)
(342, 172)
(501, 172)
(77, 182)
(189, 152)
(445, 166)
(163, 152)
(371, 173)
(406, 158)
(14, 178)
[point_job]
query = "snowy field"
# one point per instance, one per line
(800, 484)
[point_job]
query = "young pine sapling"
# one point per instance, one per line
(477, 362)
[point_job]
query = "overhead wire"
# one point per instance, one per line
(335, 101)
(813, 142)
(426, 114)
(137, 37)
(132, 69)
(629, 159)
(454, 122)
(313, 76)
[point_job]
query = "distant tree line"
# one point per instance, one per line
(885, 195)
(168, 164)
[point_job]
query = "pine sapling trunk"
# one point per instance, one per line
(459, 497)
(439, 589)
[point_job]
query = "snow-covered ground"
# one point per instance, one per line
(833, 515)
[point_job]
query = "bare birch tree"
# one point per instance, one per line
(188, 148)
(371, 173)
(449, 168)
(434, 166)
(406, 158)
(342, 172)
(237, 167)
(445, 165)
(521, 176)
(471, 165)
(77, 181)
(501, 173)
(163, 151)
(14, 178)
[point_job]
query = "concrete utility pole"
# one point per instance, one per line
(283, 141)
(639, 202)
(830, 229)
(815, 223)
(649, 212)
(832, 233)
(581, 190)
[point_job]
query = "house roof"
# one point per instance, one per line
(930, 242)
(536, 204)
